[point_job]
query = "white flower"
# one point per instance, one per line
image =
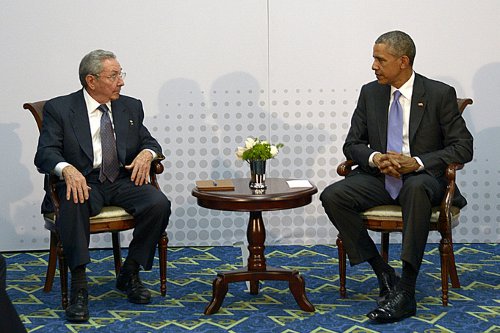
(250, 142)
(239, 153)
(274, 150)
(256, 149)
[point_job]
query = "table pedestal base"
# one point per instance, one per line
(295, 282)
(278, 195)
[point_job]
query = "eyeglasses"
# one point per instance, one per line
(114, 76)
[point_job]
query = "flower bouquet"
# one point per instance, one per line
(256, 152)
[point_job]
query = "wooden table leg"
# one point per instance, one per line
(256, 236)
(257, 270)
(297, 286)
(219, 291)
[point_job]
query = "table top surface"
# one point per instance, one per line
(278, 195)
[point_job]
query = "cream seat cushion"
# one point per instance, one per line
(108, 213)
(393, 212)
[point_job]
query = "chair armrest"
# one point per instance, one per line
(444, 223)
(345, 167)
(51, 191)
(156, 169)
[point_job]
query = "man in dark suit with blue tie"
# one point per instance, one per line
(95, 141)
(401, 158)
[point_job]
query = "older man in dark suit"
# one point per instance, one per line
(404, 131)
(95, 140)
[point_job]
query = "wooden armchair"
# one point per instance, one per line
(111, 219)
(388, 218)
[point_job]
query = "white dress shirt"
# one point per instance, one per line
(95, 125)
(405, 100)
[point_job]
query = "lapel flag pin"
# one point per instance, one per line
(420, 104)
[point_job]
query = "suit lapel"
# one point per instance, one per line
(81, 126)
(120, 122)
(418, 106)
(382, 107)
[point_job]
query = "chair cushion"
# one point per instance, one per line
(108, 213)
(393, 212)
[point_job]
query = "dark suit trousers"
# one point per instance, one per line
(9, 319)
(149, 206)
(359, 191)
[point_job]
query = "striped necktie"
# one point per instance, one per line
(110, 166)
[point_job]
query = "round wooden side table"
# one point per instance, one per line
(277, 196)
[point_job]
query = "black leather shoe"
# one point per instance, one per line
(78, 309)
(132, 285)
(398, 305)
(386, 283)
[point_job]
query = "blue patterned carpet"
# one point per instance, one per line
(473, 308)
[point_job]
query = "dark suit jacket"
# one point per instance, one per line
(65, 134)
(437, 132)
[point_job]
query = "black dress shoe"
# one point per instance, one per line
(78, 309)
(132, 285)
(386, 283)
(398, 305)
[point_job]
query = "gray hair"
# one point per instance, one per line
(399, 44)
(91, 64)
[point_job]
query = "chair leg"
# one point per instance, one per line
(117, 251)
(444, 251)
(51, 266)
(162, 255)
(342, 267)
(63, 273)
(452, 268)
(384, 237)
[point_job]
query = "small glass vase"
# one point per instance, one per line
(257, 174)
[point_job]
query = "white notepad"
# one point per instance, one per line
(298, 183)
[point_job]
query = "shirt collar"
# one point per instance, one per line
(91, 103)
(407, 88)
